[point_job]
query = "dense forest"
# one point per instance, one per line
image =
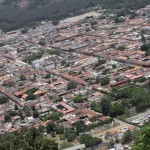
(13, 17)
(142, 139)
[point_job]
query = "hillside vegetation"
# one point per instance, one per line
(13, 15)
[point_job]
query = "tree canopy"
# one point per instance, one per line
(71, 85)
(89, 141)
(119, 100)
(27, 139)
(142, 139)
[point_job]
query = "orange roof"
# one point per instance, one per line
(141, 52)
(78, 80)
(123, 58)
(135, 68)
(68, 108)
(38, 92)
(24, 96)
(131, 76)
(18, 93)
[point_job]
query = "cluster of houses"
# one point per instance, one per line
(36, 74)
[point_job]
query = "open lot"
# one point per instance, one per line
(140, 119)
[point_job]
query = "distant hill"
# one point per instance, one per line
(25, 13)
(25, 3)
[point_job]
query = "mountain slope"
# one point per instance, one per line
(25, 3)
(21, 13)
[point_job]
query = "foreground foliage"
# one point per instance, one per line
(142, 140)
(28, 139)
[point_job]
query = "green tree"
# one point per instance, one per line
(97, 80)
(71, 85)
(121, 48)
(59, 99)
(54, 116)
(22, 78)
(35, 114)
(127, 138)
(59, 129)
(79, 126)
(15, 107)
(101, 61)
(34, 56)
(144, 47)
(41, 128)
(50, 127)
(111, 143)
(33, 108)
(119, 20)
(78, 99)
(25, 30)
(147, 52)
(89, 141)
(143, 39)
(55, 22)
(105, 81)
(105, 105)
(46, 144)
(3, 99)
(142, 139)
(71, 137)
(31, 97)
(12, 113)
(42, 42)
(26, 139)
(7, 117)
(132, 16)
(71, 72)
(48, 76)
(116, 109)
(96, 106)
